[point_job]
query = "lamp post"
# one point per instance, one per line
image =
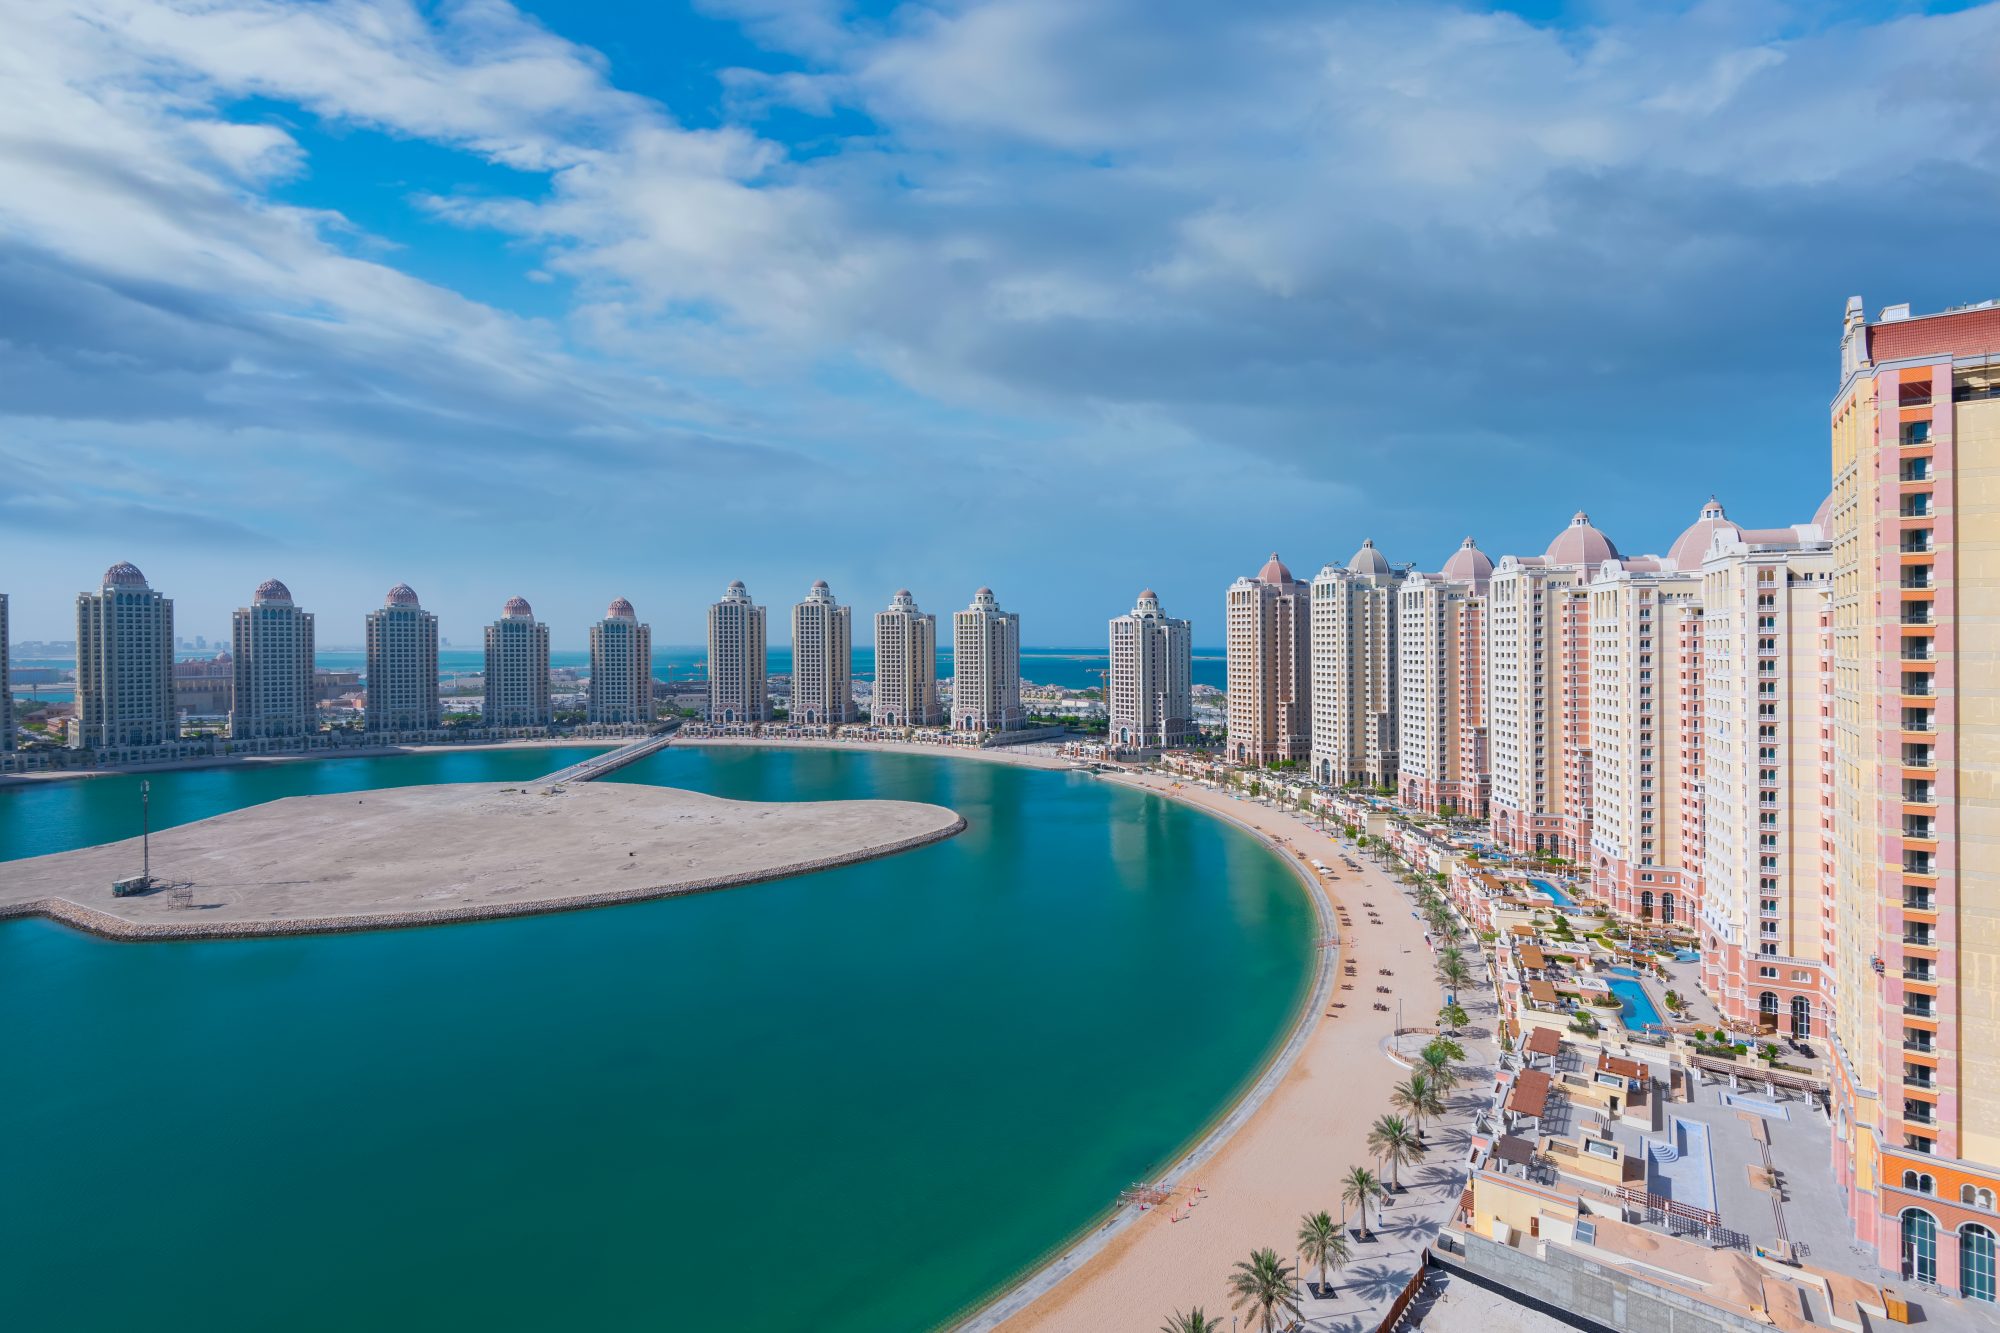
(146, 830)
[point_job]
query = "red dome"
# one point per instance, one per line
(1691, 547)
(1468, 564)
(517, 608)
(401, 595)
(272, 591)
(1274, 571)
(620, 609)
(1580, 544)
(124, 574)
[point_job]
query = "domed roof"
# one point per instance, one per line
(1823, 518)
(270, 590)
(983, 592)
(1468, 564)
(1691, 547)
(1580, 544)
(620, 609)
(517, 608)
(903, 592)
(1368, 560)
(124, 574)
(1148, 595)
(819, 583)
(1274, 571)
(401, 595)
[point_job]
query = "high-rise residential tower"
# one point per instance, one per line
(6, 687)
(1538, 692)
(124, 664)
(1354, 624)
(1441, 686)
(739, 682)
(905, 665)
(621, 667)
(273, 650)
(1268, 633)
(1767, 782)
(986, 666)
(822, 659)
(402, 684)
(1150, 688)
(1916, 673)
(517, 668)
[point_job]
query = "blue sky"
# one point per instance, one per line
(1069, 298)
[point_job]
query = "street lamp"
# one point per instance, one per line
(146, 831)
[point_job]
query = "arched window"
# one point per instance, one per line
(1921, 1182)
(1646, 904)
(1977, 1196)
(1767, 1007)
(1919, 1245)
(1667, 908)
(1975, 1262)
(1801, 1016)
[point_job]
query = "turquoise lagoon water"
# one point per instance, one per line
(863, 1099)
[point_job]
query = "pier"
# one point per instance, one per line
(609, 762)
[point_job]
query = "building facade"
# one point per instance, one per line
(1441, 686)
(124, 664)
(1150, 688)
(402, 683)
(1538, 693)
(739, 681)
(1268, 643)
(6, 683)
(1915, 523)
(1767, 874)
(986, 666)
(272, 643)
(517, 669)
(621, 667)
(822, 659)
(1354, 664)
(906, 693)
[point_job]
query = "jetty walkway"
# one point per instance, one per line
(610, 761)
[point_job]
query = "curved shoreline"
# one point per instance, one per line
(1091, 1239)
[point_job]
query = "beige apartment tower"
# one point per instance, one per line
(621, 667)
(986, 666)
(1268, 641)
(1150, 687)
(402, 686)
(1915, 525)
(124, 664)
(517, 668)
(1441, 686)
(272, 644)
(906, 692)
(1354, 663)
(739, 681)
(822, 659)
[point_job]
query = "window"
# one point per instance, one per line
(1975, 1261)
(1919, 1245)
(1921, 1182)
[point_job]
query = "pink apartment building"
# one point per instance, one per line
(1269, 645)
(1441, 686)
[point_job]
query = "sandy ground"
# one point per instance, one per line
(1285, 1160)
(420, 855)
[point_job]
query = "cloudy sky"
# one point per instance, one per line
(1064, 296)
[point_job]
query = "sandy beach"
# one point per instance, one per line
(1285, 1159)
(406, 856)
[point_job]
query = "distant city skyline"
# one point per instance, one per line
(583, 302)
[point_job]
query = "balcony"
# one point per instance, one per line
(1920, 1011)
(1919, 1113)
(1916, 469)
(1919, 756)
(1919, 1076)
(1919, 902)
(1914, 433)
(1917, 614)
(1919, 1047)
(1916, 578)
(1915, 972)
(1919, 863)
(1920, 793)
(1916, 506)
(1919, 936)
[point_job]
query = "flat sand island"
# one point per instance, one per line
(414, 856)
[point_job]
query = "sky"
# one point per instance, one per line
(1067, 297)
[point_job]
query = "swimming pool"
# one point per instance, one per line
(1634, 1005)
(1552, 893)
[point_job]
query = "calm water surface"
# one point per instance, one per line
(856, 1100)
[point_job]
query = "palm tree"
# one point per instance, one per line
(1437, 1068)
(1263, 1282)
(1359, 1187)
(1392, 1140)
(1194, 1321)
(1455, 974)
(1418, 1096)
(1320, 1242)
(1453, 1017)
